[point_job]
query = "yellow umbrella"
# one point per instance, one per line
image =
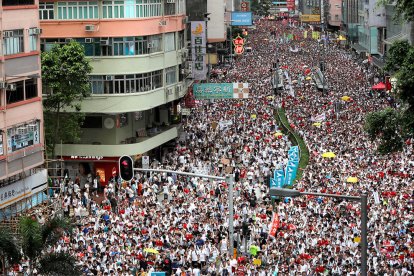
(345, 98)
(253, 116)
(308, 78)
(270, 97)
(328, 154)
(317, 124)
(278, 134)
(352, 179)
(151, 250)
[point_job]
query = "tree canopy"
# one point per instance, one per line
(31, 244)
(392, 126)
(65, 75)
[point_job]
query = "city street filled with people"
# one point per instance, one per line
(179, 224)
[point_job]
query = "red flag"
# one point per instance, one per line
(275, 224)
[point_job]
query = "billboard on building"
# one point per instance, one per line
(241, 19)
(310, 18)
(198, 49)
(235, 90)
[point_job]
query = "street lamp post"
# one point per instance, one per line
(364, 216)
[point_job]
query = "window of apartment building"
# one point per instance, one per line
(108, 46)
(148, 8)
(169, 42)
(17, 2)
(124, 46)
(24, 90)
(131, 8)
(120, 84)
(169, 8)
(46, 11)
(113, 9)
(92, 122)
(181, 7)
(181, 40)
(170, 75)
(77, 10)
(13, 42)
(155, 43)
(17, 94)
(32, 40)
(30, 89)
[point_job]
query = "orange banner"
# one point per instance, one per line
(275, 224)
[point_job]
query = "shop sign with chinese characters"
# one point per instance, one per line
(198, 48)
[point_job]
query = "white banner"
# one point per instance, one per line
(319, 118)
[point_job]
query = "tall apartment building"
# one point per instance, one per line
(22, 182)
(349, 24)
(137, 49)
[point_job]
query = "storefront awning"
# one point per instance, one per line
(392, 39)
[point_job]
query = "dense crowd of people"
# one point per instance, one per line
(179, 224)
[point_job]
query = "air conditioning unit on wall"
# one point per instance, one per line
(21, 130)
(90, 28)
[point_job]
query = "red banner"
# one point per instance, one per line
(275, 224)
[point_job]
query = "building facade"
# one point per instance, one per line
(137, 49)
(349, 24)
(334, 13)
(22, 182)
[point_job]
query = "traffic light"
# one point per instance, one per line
(126, 168)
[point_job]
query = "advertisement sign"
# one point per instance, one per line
(241, 19)
(203, 91)
(23, 136)
(23, 188)
(290, 5)
(145, 162)
(238, 43)
(245, 6)
(198, 48)
(310, 18)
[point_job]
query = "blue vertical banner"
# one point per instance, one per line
(293, 155)
(279, 177)
(291, 171)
